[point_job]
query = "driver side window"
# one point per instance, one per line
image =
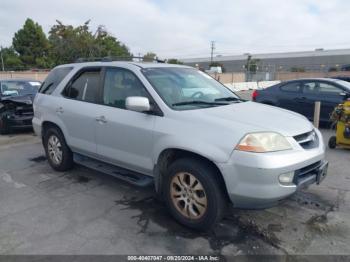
(321, 88)
(120, 84)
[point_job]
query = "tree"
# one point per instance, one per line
(31, 44)
(11, 59)
(149, 57)
(108, 45)
(70, 43)
(174, 61)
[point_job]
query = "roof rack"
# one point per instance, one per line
(118, 58)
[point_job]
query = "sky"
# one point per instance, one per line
(185, 28)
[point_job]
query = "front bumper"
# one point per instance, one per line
(252, 179)
(18, 122)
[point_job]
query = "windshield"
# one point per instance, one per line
(19, 88)
(344, 83)
(187, 88)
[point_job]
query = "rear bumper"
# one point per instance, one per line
(252, 179)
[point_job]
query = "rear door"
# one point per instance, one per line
(329, 94)
(290, 96)
(78, 110)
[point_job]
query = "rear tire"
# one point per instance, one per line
(193, 193)
(332, 143)
(58, 154)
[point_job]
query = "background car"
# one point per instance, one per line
(300, 95)
(345, 78)
(16, 103)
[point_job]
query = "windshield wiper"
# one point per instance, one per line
(229, 98)
(198, 102)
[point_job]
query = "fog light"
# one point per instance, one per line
(286, 178)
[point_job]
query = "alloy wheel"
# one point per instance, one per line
(188, 195)
(54, 148)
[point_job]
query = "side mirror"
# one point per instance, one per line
(137, 103)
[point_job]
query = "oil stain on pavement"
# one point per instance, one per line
(246, 236)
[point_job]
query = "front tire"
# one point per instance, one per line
(58, 154)
(4, 129)
(193, 193)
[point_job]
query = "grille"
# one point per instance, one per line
(307, 140)
(24, 110)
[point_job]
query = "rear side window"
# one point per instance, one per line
(84, 87)
(53, 79)
(292, 87)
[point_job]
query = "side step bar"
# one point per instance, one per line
(118, 172)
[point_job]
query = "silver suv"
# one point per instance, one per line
(177, 128)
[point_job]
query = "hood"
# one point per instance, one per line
(255, 117)
(26, 99)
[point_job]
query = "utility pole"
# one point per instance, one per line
(212, 47)
(2, 59)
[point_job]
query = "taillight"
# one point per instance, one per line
(255, 95)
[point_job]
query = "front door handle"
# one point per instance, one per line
(101, 119)
(59, 110)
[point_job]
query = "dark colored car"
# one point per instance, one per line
(16, 104)
(300, 95)
(344, 78)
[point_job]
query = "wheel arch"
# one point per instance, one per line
(169, 155)
(46, 125)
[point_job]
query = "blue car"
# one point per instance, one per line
(300, 95)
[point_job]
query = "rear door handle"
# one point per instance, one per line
(59, 110)
(101, 119)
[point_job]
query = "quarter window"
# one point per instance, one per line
(120, 84)
(85, 87)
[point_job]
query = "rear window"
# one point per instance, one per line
(53, 79)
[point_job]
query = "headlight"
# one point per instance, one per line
(263, 142)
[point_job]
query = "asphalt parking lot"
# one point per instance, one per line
(86, 212)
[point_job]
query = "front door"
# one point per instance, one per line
(124, 137)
